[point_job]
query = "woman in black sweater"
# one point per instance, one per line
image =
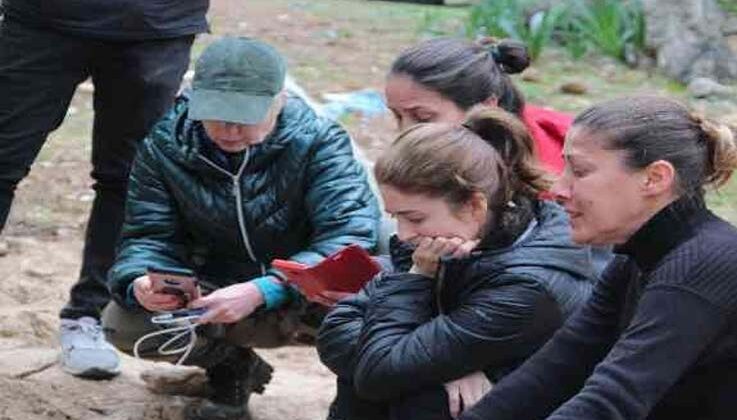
(658, 337)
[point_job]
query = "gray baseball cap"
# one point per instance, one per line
(236, 80)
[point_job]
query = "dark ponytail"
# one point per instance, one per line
(510, 138)
(721, 151)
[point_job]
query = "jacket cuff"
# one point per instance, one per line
(275, 294)
(130, 298)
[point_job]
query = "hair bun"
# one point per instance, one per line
(511, 56)
(721, 149)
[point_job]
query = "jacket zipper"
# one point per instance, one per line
(238, 204)
(439, 285)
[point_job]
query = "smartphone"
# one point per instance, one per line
(179, 282)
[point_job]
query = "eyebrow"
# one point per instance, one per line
(404, 212)
(413, 108)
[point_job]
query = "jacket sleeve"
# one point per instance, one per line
(340, 204)
(405, 346)
(151, 234)
(670, 330)
(556, 372)
(339, 332)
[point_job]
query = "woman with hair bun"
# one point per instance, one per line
(489, 274)
(657, 339)
(442, 79)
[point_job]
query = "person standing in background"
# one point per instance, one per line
(135, 52)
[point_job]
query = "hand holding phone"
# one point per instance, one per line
(163, 290)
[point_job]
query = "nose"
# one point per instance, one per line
(232, 131)
(561, 189)
(404, 233)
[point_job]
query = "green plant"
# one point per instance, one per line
(730, 6)
(509, 19)
(610, 26)
(538, 34)
(499, 18)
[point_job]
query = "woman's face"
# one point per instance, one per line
(606, 201)
(420, 215)
(413, 103)
(234, 137)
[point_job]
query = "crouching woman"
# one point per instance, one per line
(484, 273)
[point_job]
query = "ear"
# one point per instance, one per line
(478, 206)
(660, 178)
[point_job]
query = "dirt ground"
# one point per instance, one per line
(331, 45)
(41, 247)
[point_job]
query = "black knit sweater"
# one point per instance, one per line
(656, 340)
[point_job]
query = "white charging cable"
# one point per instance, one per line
(182, 326)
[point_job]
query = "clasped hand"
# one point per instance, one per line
(426, 257)
(466, 391)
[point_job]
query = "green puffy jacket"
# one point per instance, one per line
(299, 195)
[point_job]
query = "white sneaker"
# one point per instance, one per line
(84, 351)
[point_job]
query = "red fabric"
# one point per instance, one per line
(548, 128)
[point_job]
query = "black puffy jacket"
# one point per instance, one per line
(404, 334)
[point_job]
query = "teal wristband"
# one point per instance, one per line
(275, 294)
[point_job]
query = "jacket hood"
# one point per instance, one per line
(546, 244)
(544, 254)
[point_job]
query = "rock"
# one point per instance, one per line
(38, 271)
(4, 248)
(531, 75)
(24, 362)
(730, 26)
(703, 87)
(574, 88)
(173, 380)
(732, 43)
(687, 38)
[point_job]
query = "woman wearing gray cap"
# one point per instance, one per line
(236, 175)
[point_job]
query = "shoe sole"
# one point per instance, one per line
(93, 373)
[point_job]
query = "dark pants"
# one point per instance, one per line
(430, 403)
(264, 329)
(135, 83)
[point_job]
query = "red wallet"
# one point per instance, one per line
(345, 271)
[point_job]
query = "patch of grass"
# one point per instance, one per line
(730, 6)
(604, 78)
(724, 201)
(373, 11)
